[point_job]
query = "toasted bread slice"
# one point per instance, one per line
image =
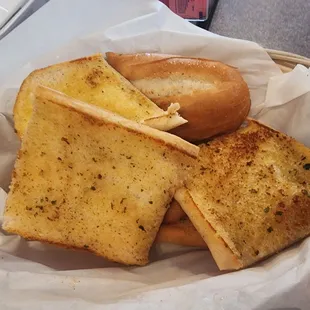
(180, 233)
(249, 196)
(88, 178)
(92, 80)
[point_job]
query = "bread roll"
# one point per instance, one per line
(181, 233)
(174, 214)
(213, 96)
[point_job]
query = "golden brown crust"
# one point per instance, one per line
(150, 62)
(174, 213)
(213, 96)
(181, 233)
(252, 187)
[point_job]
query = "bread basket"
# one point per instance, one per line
(287, 61)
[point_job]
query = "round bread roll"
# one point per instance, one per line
(213, 96)
(174, 213)
(181, 233)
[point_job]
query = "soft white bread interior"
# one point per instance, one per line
(249, 194)
(87, 178)
(92, 80)
(213, 96)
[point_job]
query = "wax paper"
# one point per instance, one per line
(40, 276)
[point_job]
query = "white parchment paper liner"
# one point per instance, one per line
(36, 276)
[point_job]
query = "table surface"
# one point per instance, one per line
(275, 24)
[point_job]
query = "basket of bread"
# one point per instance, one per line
(122, 152)
(154, 164)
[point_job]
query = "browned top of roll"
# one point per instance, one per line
(140, 66)
(213, 96)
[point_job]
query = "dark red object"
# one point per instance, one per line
(189, 9)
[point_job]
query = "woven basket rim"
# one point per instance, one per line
(287, 61)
